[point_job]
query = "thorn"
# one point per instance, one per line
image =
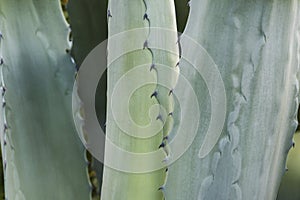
(162, 145)
(145, 44)
(146, 17)
(108, 13)
(4, 142)
(171, 92)
(166, 138)
(70, 37)
(159, 117)
(3, 90)
(243, 95)
(68, 51)
(3, 104)
(161, 188)
(294, 144)
(154, 94)
(152, 67)
(170, 114)
(167, 169)
(179, 49)
(1, 36)
(235, 182)
(177, 64)
(286, 169)
(265, 37)
(1, 61)
(10, 145)
(5, 127)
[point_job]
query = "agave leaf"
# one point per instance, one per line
(43, 156)
(255, 47)
(135, 19)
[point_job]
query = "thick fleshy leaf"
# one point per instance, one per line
(43, 156)
(130, 52)
(255, 47)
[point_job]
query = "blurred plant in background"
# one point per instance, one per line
(290, 184)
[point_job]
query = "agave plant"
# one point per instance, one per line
(231, 80)
(254, 46)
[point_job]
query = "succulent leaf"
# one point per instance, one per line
(43, 156)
